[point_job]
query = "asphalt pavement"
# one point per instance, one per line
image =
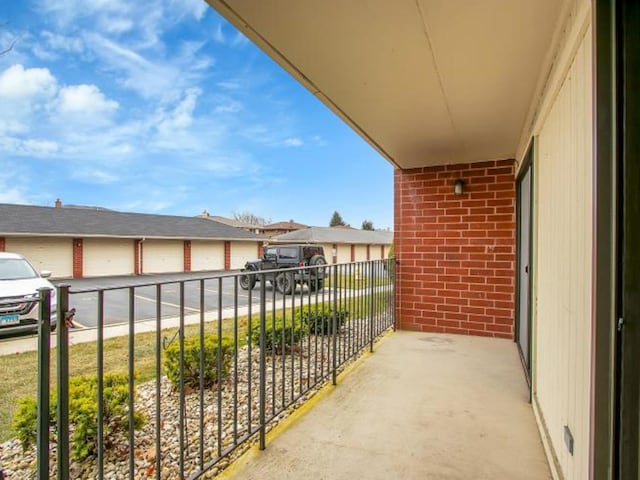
(138, 296)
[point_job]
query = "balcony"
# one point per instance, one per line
(422, 406)
(219, 369)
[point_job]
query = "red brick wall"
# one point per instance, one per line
(456, 254)
(77, 258)
(227, 255)
(2, 244)
(187, 255)
(137, 257)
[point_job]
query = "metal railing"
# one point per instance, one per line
(271, 351)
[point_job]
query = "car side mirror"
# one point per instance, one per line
(45, 273)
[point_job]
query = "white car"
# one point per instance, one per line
(19, 306)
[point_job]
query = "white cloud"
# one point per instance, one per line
(85, 99)
(218, 34)
(18, 82)
(95, 176)
(39, 147)
(64, 43)
(293, 142)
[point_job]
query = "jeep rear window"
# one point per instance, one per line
(309, 252)
(290, 253)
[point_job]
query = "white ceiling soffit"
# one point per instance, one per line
(425, 82)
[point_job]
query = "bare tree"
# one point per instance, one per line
(6, 50)
(250, 218)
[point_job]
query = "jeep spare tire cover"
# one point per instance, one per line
(317, 260)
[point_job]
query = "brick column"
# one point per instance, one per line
(77, 257)
(3, 244)
(382, 251)
(353, 252)
(227, 255)
(456, 254)
(334, 257)
(137, 257)
(260, 249)
(368, 252)
(187, 255)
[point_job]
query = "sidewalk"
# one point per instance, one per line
(423, 406)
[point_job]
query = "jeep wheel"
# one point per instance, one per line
(284, 283)
(247, 282)
(315, 285)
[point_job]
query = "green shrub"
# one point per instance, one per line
(319, 321)
(83, 414)
(191, 364)
(280, 334)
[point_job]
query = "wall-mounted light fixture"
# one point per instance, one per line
(458, 187)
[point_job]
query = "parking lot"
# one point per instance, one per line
(212, 288)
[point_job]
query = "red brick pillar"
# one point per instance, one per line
(3, 244)
(227, 255)
(137, 257)
(77, 258)
(260, 249)
(334, 253)
(187, 255)
(456, 253)
(353, 252)
(368, 252)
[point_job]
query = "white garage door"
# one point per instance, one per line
(241, 252)
(53, 254)
(207, 255)
(162, 256)
(328, 252)
(374, 252)
(361, 253)
(344, 253)
(108, 257)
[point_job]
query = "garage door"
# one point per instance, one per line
(374, 252)
(241, 252)
(162, 256)
(361, 253)
(53, 254)
(344, 253)
(328, 252)
(207, 255)
(108, 257)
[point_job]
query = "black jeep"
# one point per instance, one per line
(292, 260)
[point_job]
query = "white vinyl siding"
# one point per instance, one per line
(103, 257)
(562, 274)
(162, 256)
(44, 253)
(241, 252)
(361, 253)
(207, 255)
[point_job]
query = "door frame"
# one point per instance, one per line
(527, 166)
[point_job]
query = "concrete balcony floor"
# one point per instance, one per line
(423, 406)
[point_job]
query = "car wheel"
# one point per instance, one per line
(247, 282)
(284, 283)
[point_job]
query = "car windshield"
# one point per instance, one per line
(16, 269)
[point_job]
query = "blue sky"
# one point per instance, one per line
(163, 107)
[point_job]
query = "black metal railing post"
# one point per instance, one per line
(334, 329)
(44, 350)
(263, 370)
(63, 382)
(372, 279)
(100, 384)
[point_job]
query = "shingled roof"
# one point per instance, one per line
(94, 222)
(336, 235)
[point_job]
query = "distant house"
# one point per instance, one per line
(279, 228)
(343, 245)
(92, 241)
(232, 222)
